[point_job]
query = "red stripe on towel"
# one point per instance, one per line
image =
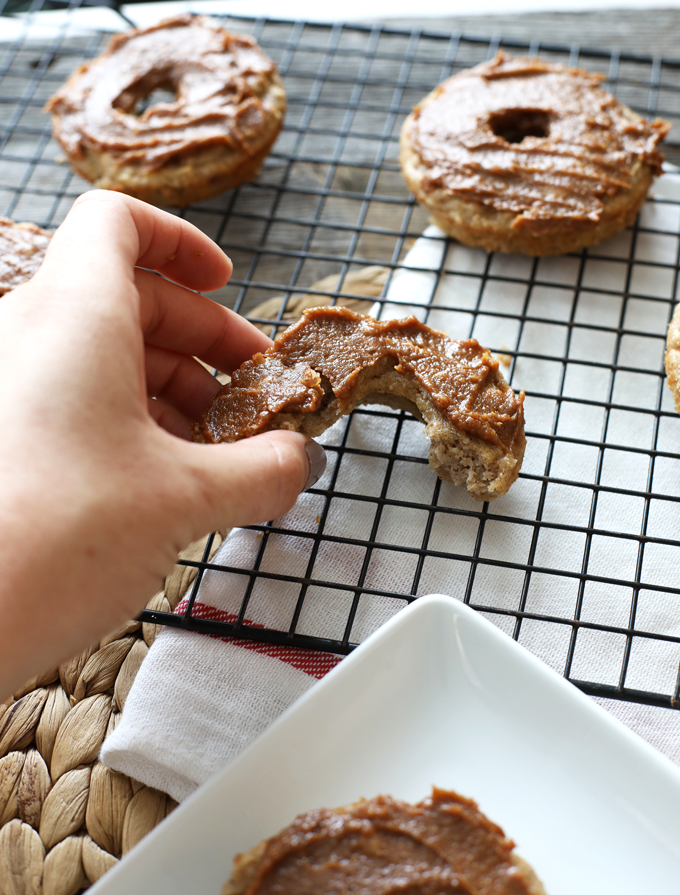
(313, 663)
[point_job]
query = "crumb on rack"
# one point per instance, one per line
(503, 358)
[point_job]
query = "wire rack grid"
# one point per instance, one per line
(331, 200)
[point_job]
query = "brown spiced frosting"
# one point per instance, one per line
(22, 249)
(444, 845)
(334, 359)
(223, 110)
(518, 154)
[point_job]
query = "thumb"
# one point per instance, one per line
(249, 481)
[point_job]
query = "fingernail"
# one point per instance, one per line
(317, 463)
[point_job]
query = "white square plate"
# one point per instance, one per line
(439, 696)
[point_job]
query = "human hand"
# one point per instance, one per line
(100, 488)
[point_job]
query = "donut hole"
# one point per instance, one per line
(396, 402)
(160, 96)
(514, 125)
(156, 90)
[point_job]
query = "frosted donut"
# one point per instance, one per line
(22, 249)
(672, 357)
(227, 111)
(334, 359)
(443, 845)
(521, 155)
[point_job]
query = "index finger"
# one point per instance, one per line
(188, 323)
(107, 233)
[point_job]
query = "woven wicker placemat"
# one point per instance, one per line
(65, 818)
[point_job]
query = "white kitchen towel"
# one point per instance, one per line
(198, 701)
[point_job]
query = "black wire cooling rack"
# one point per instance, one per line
(331, 200)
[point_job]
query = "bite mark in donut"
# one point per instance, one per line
(334, 359)
(215, 107)
(521, 155)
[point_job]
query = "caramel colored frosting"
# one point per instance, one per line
(531, 138)
(327, 350)
(443, 845)
(22, 249)
(217, 78)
